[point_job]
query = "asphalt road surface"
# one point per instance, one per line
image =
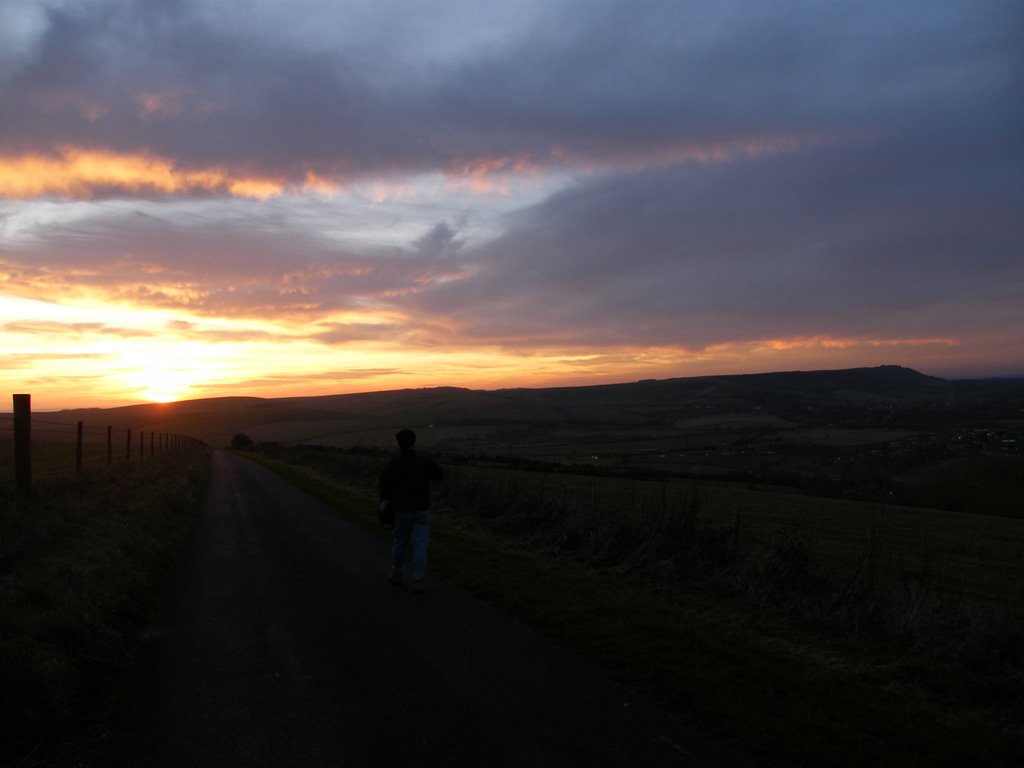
(281, 644)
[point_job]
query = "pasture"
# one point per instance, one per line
(826, 632)
(974, 557)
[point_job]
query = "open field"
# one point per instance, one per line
(966, 557)
(978, 557)
(824, 635)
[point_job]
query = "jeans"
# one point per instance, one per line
(412, 527)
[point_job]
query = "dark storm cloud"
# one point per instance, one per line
(890, 240)
(578, 81)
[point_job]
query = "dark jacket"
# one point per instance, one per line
(405, 481)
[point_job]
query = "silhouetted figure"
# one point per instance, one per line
(405, 485)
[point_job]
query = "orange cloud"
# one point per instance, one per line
(166, 103)
(81, 173)
(727, 151)
(317, 183)
(489, 174)
(828, 342)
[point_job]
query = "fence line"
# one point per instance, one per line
(45, 447)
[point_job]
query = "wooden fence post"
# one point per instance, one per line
(110, 444)
(78, 448)
(128, 447)
(23, 445)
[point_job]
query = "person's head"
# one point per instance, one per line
(406, 439)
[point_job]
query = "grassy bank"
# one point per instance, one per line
(792, 661)
(82, 567)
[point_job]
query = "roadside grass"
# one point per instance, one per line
(742, 654)
(82, 568)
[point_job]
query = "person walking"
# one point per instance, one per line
(404, 485)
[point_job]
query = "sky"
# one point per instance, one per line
(294, 197)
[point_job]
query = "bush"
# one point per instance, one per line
(241, 442)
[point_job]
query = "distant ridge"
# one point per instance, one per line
(367, 416)
(881, 380)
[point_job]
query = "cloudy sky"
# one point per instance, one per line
(283, 197)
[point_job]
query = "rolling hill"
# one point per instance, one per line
(798, 397)
(864, 433)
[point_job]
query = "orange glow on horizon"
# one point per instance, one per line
(106, 355)
(91, 357)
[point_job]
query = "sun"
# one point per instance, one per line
(171, 369)
(162, 386)
(163, 393)
(163, 376)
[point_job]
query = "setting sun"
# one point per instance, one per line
(162, 386)
(169, 369)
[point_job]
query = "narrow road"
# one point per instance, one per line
(281, 644)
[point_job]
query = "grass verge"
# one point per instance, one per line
(777, 688)
(82, 568)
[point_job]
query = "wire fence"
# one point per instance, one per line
(41, 446)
